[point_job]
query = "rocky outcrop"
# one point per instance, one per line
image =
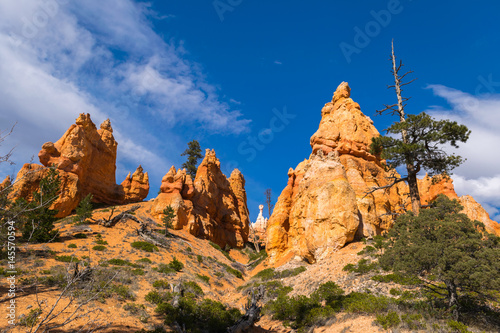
(85, 158)
(342, 167)
(319, 214)
(431, 187)
(211, 207)
(6, 183)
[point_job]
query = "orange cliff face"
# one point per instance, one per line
(306, 223)
(85, 158)
(212, 207)
(430, 188)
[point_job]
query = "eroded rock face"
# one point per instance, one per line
(319, 215)
(85, 158)
(211, 207)
(6, 182)
(347, 133)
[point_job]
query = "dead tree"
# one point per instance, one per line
(269, 201)
(252, 314)
(398, 109)
(112, 221)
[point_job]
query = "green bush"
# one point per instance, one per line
(199, 258)
(145, 260)
(413, 321)
(99, 248)
(176, 265)
(138, 271)
(72, 246)
(165, 269)
(397, 278)
(67, 259)
(161, 284)
(457, 326)
(365, 303)
(391, 319)
(210, 315)
(145, 246)
(193, 288)
(233, 271)
(31, 318)
(79, 235)
(204, 278)
(154, 297)
(364, 266)
(123, 292)
(265, 274)
(367, 250)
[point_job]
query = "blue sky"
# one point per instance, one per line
(223, 72)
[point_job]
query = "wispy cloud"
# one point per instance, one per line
(61, 58)
(479, 176)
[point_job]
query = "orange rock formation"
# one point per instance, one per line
(85, 158)
(325, 203)
(211, 207)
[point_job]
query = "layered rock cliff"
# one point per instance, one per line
(325, 203)
(211, 207)
(85, 158)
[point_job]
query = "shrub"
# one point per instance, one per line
(176, 265)
(391, 319)
(161, 284)
(366, 303)
(72, 246)
(457, 326)
(80, 235)
(330, 293)
(138, 271)
(364, 266)
(233, 271)
(145, 246)
(204, 278)
(166, 269)
(199, 258)
(31, 318)
(188, 249)
(145, 260)
(123, 292)
(99, 248)
(193, 287)
(67, 259)
(265, 274)
(213, 316)
(367, 250)
(118, 262)
(153, 297)
(84, 209)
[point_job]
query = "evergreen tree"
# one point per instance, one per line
(194, 153)
(38, 217)
(441, 244)
(84, 209)
(168, 216)
(416, 141)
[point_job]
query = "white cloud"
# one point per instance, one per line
(60, 58)
(479, 176)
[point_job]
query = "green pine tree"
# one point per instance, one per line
(194, 153)
(38, 217)
(416, 141)
(84, 209)
(442, 245)
(168, 216)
